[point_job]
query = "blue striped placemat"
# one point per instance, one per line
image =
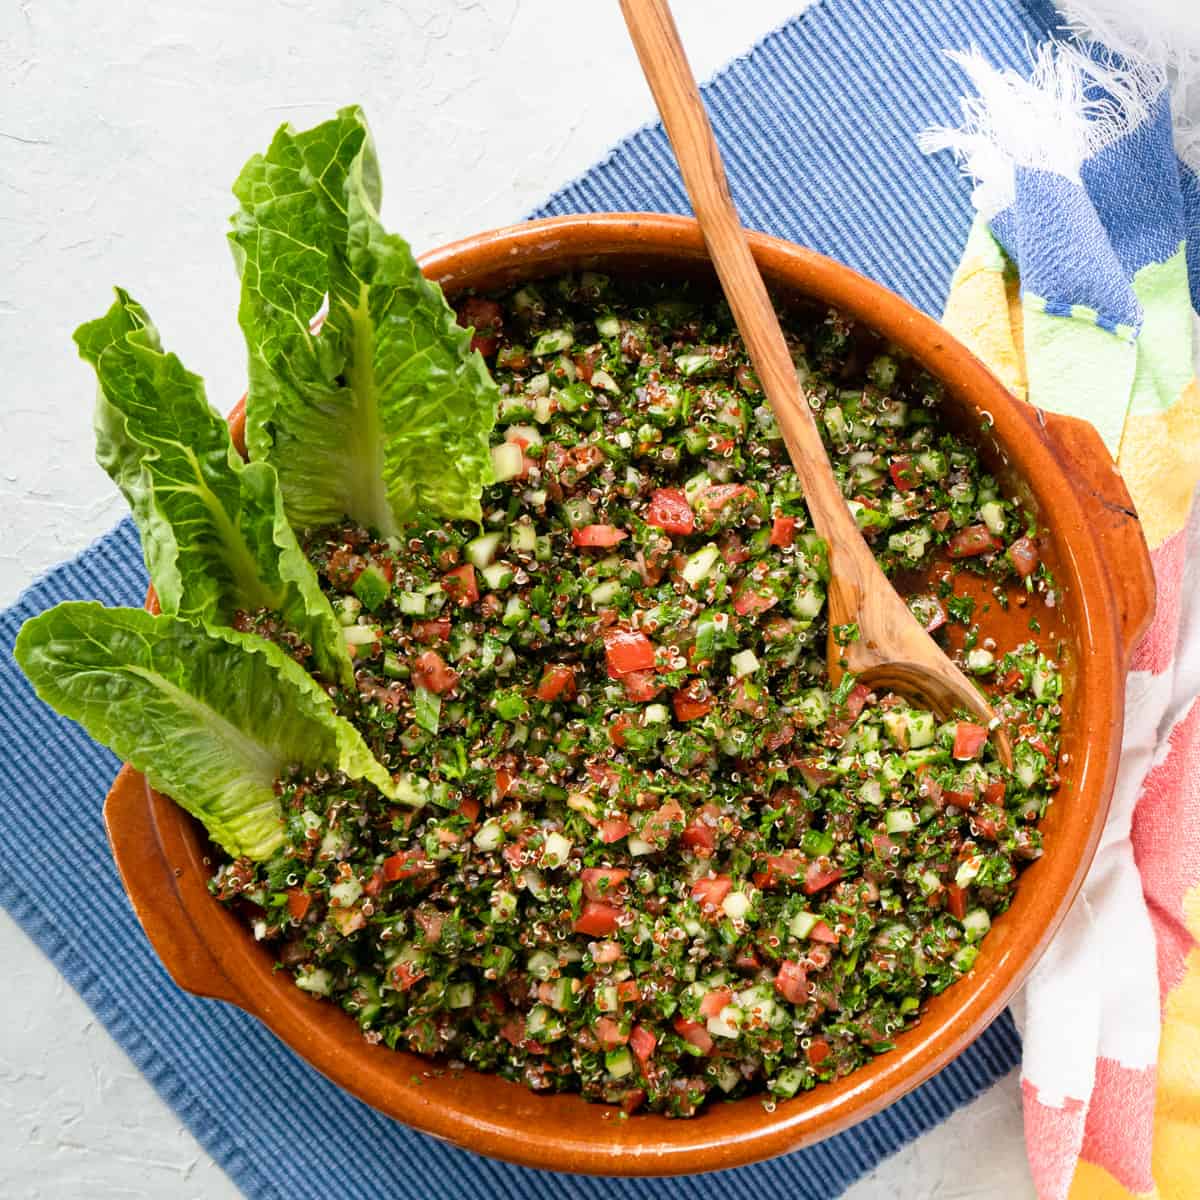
(818, 125)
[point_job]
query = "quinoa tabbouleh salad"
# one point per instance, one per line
(571, 798)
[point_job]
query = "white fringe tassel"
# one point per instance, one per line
(1046, 121)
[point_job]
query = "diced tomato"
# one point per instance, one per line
(616, 731)
(628, 991)
(633, 1100)
(715, 1001)
(717, 495)
(791, 982)
(815, 775)
(603, 776)
(460, 584)
(904, 476)
(626, 650)
(692, 701)
(883, 845)
(642, 1043)
(969, 740)
(504, 781)
(609, 1033)
(709, 893)
(557, 681)
(432, 631)
(993, 792)
(374, 885)
(817, 877)
(747, 960)
(297, 903)
(469, 807)
(856, 701)
(660, 823)
(597, 919)
(601, 536)
(606, 952)
(401, 866)
(783, 530)
(405, 974)
(957, 799)
(1012, 681)
(818, 1051)
(749, 598)
(778, 867)
(513, 1030)
(987, 827)
(601, 883)
(975, 539)
(613, 829)
(821, 932)
(700, 834)
(429, 670)
(670, 511)
(486, 317)
(640, 686)
(956, 900)
(940, 520)
(747, 697)
(1024, 556)
(694, 1033)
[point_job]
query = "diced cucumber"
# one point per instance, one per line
(481, 550)
(892, 414)
(976, 923)
(604, 594)
(314, 979)
(504, 905)
(538, 385)
(813, 706)
(607, 998)
(608, 326)
(727, 1023)
(602, 379)
(413, 604)
(507, 461)
(372, 587)
(516, 613)
(922, 728)
(619, 1062)
(553, 341)
(393, 666)
(497, 575)
(807, 601)
(964, 958)
(362, 635)
(460, 995)
(695, 485)
(347, 609)
(980, 662)
(787, 1082)
(563, 997)
(693, 364)
(802, 924)
(427, 709)
(866, 517)
(698, 566)
(726, 1075)
(578, 511)
(543, 1024)
(895, 725)
(992, 512)
(835, 423)
(523, 539)
(932, 464)
(912, 542)
(967, 870)
(556, 850)
(489, 835)
(541, 964)
(882, 371)
(744, 662)
(930, 882)
(656, 714)
(736, 905)
(516, 408)
(899, 820)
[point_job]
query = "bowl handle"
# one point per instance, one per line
(153, 888)
(1113, 519)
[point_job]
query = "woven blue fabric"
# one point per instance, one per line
(818, 124)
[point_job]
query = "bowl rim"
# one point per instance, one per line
(208, 951)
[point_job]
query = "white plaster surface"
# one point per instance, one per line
(121, 128)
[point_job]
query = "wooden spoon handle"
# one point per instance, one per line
(666, 68)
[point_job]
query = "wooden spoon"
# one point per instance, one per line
(892, 651)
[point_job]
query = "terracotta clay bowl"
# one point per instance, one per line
(1093, 544)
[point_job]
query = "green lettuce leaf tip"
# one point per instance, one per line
(384, 414)
(212, 717)
(214, 532)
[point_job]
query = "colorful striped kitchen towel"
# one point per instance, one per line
(1074, 287)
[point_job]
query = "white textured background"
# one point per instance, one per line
(121, 127)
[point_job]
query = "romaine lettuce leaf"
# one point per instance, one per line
(211, 717)
(214, 532)
(384, 415)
